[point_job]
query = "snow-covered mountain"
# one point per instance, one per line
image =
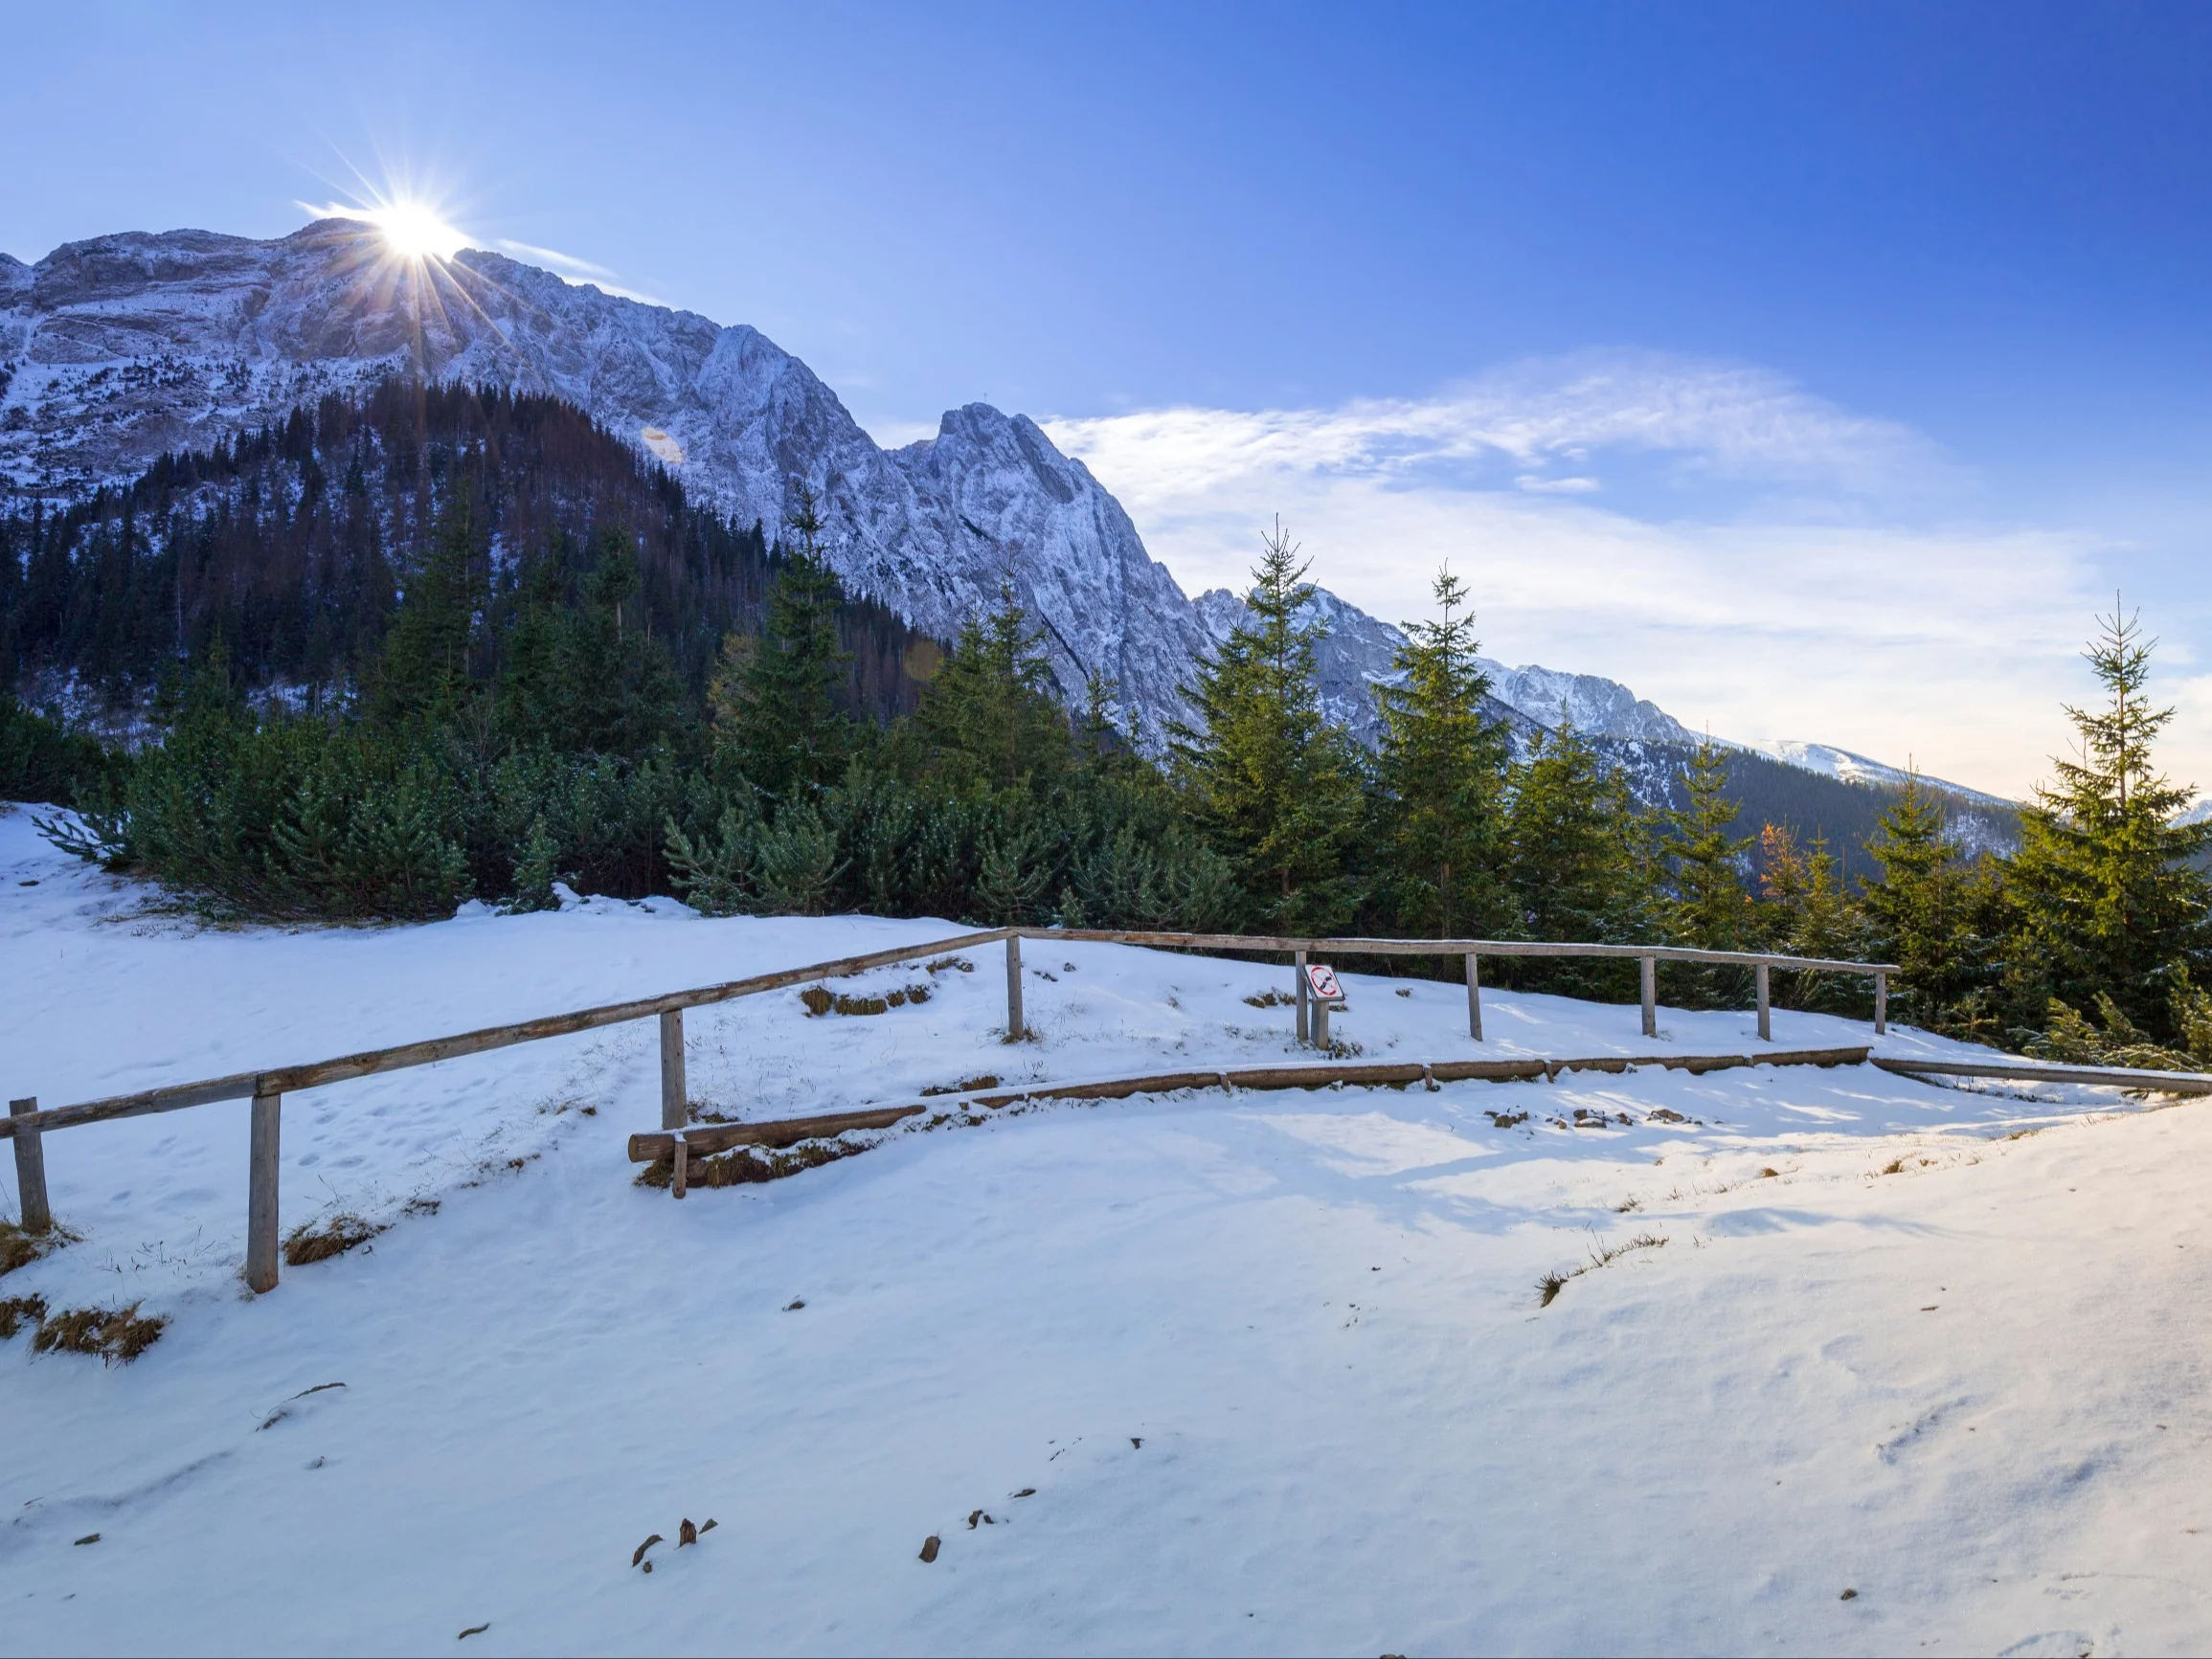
(117, 350)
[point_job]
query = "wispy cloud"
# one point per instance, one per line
(1844, 595)
(575, 272)
(554, 256)
(1723, 421)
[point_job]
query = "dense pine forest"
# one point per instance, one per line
(437, 644)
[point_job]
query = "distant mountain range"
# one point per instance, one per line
(117, 351)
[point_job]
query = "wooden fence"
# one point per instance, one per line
(27, 1124)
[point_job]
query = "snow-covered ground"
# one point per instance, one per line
(1272, 1369)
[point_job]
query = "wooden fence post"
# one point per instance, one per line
(1649, 995)
(1015, 1029)
(1321, 1023)
(1766, 1025)
(1299, 974)
(31, 1169)
(1881, 1004)
(262, 1194)
(675, 1108)
(1474, 998)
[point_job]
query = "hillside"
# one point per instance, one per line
(290, 544)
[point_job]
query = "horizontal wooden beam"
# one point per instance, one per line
(1272, 943)
(2028, 1071)
(785, 1132)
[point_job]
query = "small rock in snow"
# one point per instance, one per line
(929, 1548)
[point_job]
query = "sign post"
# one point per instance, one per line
(1321, 979)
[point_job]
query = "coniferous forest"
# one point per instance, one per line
(433, 644)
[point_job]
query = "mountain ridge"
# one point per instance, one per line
(117, 349)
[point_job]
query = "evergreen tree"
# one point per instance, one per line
(2103, 895)
(1804, 911)
(1574, 867)
(1439, 773)
(1269, 778)
(1710, 908)
(776, 704)
(425, 669)
(989, 716)
(1932, 912)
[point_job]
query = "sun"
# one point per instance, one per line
(414, 231)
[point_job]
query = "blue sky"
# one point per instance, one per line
(1814, 370)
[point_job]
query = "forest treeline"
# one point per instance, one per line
(638, 698)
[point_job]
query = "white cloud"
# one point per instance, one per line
(1853, 616)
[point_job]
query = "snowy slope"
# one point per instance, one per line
(1832, 762)
(1271, 1369)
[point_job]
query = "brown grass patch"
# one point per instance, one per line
(1269, 1000)
(818, 1000)
(117, 1335)
(965, 1086)
(746, 1167)
(958, 964)
(333, 1238)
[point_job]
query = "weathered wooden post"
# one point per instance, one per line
(1881, 1004)
(1649, 995)
(1298, 972)
(30, 1169)
(1766, 1025)
(262, 1194)
(1015, 1030)
(1474, 998)
(675, 1108)
(1321, 1023)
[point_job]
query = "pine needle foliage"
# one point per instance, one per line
(2103, 893)
(1439, 777)
(1268, 778)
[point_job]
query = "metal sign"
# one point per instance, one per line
(1323, 980)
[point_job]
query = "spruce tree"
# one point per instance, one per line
(989, 716)
(776, 703)
(1272, 782)
(1576, 871)
(2103, 893)
(424, 670)
(1439, 773)
(1711, 909)
(1931, 910)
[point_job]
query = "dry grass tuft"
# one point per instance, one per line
(966, 1085)
(958, 964)
(1269, 1000)
(20, 1248)
(746, 1167)
(818, 999)
(15, 1310)
(333, 1238)
(1548, 1288)
(117, 1335)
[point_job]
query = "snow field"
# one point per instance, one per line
(1973, 1390)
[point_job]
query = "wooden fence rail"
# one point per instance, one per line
(26, 1122)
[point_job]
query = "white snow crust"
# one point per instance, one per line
(1273, 1364)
